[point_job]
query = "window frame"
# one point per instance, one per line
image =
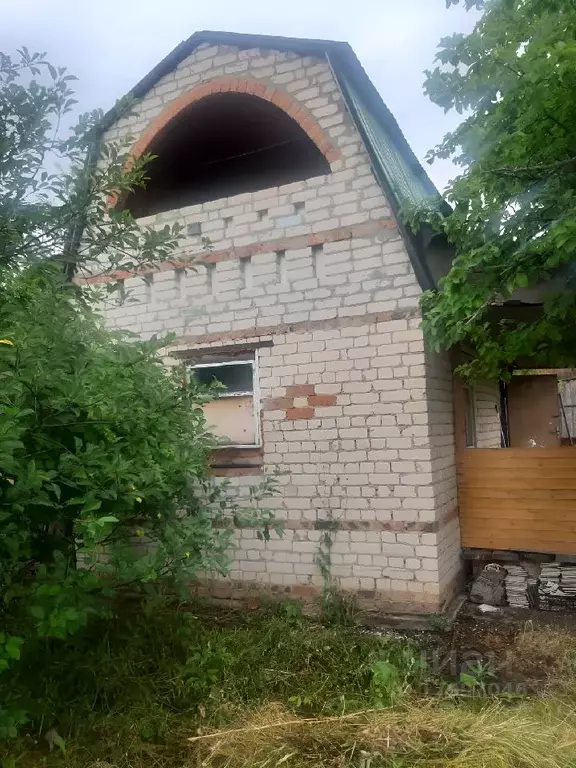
(254, 394)
(470, 426)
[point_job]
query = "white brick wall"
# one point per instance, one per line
(343, 279)
(379, 459)
(381, 456)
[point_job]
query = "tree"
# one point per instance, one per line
(513, 219)
(104, 452)
(55, 189)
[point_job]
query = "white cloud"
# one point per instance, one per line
(111, 44)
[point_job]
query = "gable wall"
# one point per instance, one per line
(364, 266)
(355, 415)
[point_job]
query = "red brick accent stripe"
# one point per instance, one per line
(263, 90)
(375, 526)
(392, 526)
(253, 595)
(295, 242)
(214, 340)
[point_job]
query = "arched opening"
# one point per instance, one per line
(223, 145)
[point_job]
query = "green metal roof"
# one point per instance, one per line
(405, 179)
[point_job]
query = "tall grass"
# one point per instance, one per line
(268, 690)
(128, 691)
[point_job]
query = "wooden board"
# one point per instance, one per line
(232, 418)
(518, 499)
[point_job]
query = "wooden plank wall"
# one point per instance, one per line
(518, 498)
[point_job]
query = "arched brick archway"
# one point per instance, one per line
(238, 85)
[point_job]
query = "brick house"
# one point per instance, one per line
(283, 154)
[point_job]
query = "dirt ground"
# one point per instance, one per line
(518, 647)
(495, 633)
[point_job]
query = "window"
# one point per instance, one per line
(234, 414)
(223, 145)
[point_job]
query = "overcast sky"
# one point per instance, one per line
(111, 44)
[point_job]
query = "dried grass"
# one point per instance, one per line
(421, 734)
(543, 655)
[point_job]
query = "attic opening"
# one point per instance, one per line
(223, 145)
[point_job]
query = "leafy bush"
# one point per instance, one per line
(511, 219)
(104, 475)
(124, 688)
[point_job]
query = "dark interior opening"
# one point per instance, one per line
(236, 378)
(223, 145)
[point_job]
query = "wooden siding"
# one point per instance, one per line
(518, 499)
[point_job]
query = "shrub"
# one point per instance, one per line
(104, 476)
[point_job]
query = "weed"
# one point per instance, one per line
(291, 611)
(386, 683)
(477, 676)
(394, 676)
(336, 608)
(205, 667)
(438, 622)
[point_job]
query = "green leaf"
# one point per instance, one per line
(13, 647)
(468, 680)
(108, 519)
(512, 216)
(91, 505)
